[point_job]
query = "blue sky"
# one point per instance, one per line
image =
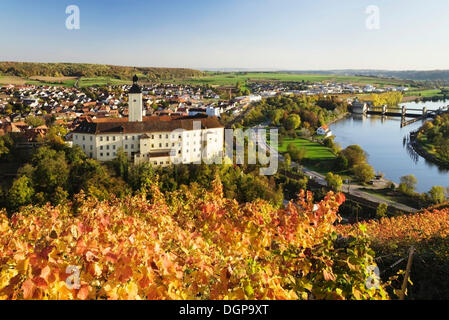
(255, 34)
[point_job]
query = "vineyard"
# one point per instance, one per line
(427, 232)
(189, 244)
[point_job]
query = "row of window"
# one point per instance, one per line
(161, 162)
(107, 154)
(113, 138)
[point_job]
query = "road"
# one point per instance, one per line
(353, 189)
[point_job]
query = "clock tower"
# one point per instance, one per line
(135, 102)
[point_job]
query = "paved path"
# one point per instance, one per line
(320, 179)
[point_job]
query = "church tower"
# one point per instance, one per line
(135, 102)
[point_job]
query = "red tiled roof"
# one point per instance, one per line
(150, 124)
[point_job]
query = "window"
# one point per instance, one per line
(84, 138)
(84, 146)
(91, 155)
(160, 145)
(132, 146)
(107, 138)
(160, 136)
(126, 137)
(91, 147)
(152, 146)
(101, 154)
(107, 154)
(133, 137)
(115, 154)
(91, 138)
(76, 137)
(101, 138)
(107, 148)
(161, 163)
(155, 162)
(166, 136)
(113, 138)
(101, 147)
(166, 145)
(152, 136)
(126, 146)
(172, 144)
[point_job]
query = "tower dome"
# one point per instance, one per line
(135, 88)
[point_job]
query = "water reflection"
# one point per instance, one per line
(388, 148)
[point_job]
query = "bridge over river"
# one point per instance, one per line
(403, 112)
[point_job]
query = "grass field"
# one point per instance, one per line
(101, 81)
(425, 93)
(12, 80)
(225, 79)
(314, 150)
(44, 81)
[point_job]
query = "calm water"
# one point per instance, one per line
(383, 140)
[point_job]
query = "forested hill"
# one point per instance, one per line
(26, 69)
(430, 75)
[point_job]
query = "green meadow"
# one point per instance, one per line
(231, 78)
(314, 150)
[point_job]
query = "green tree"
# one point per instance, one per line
(121, 164)
(334, 181)
(355, 155)
(296, 154)
(408, 184)
(34, 121)
(437, 194)
(341, 162)
(6, 144)
(293, 122)
(381, 211)
(20, 193)
(277, 116)
(51, 170)
(364, 172)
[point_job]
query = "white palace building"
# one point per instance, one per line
(161, 141)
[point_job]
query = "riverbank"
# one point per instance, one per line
(340, 117)
(421, 151)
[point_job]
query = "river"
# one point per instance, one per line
(383, 141)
